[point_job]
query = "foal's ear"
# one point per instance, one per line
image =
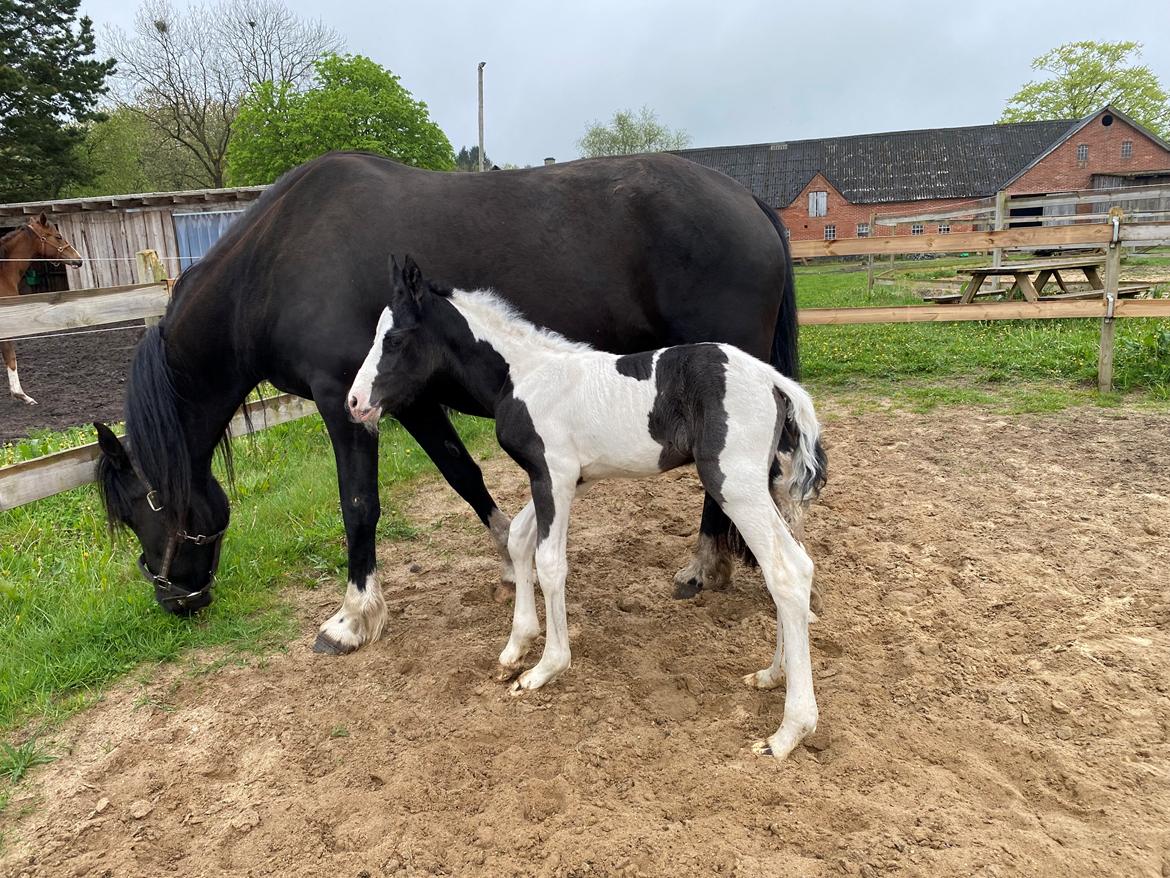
(111, 446)
(412, 277)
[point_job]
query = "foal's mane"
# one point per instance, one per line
(497, 317)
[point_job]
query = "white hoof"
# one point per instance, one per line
(536, 677)
(785, 740)
(25, 398)
(764, 679)
(360, 620)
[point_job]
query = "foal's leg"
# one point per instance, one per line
(552, 566)
(788, 572)
(711, 566)
(525, 623)
(429, 425)
(9, 351)
(363, 611)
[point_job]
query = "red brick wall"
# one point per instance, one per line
(845, 215)
(1059, 171)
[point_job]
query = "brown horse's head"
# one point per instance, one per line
(51, 244)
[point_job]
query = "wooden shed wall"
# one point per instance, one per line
(108, 240)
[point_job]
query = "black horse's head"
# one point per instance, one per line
(154, 486)
(405, 354)
(180, 552)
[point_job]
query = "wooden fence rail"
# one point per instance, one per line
(22, 316)
(51, 474)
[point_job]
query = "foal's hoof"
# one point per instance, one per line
(326, 645)
(508, 673)
(504, 592)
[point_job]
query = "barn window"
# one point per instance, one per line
(863, 230)
(1127, 149)
(917, 229)
(818, 203)
(944, 228)
(1082, 152)
(830, 232)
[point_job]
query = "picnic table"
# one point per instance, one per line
(1030, 278)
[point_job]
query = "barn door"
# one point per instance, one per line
(196, 232)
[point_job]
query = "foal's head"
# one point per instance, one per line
(50, 243)
(406, 352)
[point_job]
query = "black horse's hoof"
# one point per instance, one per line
(686, 590)
(328, 646)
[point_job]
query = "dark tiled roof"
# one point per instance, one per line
(897, 166)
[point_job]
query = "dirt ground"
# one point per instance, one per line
(992, 669)
(75, 378)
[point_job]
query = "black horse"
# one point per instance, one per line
(655, 250)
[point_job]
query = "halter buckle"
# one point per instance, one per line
(152, 498)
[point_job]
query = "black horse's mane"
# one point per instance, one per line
(155, 437)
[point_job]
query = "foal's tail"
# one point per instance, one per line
(804, 473)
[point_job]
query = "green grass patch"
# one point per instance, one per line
(17, 759)
(74, 614)
(887, 358)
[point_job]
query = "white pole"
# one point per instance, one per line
(481, 65)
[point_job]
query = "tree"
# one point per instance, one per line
(49, 83)
(1087, 75)
(353, 104)
(628, 133)
(468, 159)
(127, 154)
(186, 72)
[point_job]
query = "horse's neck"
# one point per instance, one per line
(14, 262)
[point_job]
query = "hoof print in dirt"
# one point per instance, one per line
(328, 646)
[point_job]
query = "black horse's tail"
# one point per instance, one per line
(785, 358)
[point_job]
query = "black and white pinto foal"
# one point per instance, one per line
(570, 415)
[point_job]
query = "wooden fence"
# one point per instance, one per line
(36, 479)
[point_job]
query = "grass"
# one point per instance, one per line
(16, 760)
(75, 615)
(901, 359)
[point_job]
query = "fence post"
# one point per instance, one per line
(1108, 323)
(150, 271)
(869, 259)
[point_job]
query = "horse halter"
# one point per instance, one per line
(46, 243)
(165, 590)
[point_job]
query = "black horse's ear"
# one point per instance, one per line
(111, 446)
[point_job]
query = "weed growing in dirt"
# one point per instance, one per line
(17, 759)
(74, 613)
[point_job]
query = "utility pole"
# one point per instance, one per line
(481, 65)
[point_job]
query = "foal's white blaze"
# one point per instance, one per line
(361, 618)
(358, 399)
(17, 390)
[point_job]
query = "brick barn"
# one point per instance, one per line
(829, 188)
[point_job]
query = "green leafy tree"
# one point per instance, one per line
(628, 133)
(354, 104)
(468, 159)
(49, 82)
(128, 154)
(1085, 76)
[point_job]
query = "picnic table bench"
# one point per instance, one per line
(1030, 278)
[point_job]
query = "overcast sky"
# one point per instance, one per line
(726, 72)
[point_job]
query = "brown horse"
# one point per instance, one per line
(38, 240)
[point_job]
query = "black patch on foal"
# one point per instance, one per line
(639, 366)
(689, 418)
(518, 437)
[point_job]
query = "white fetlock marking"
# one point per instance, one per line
(15, 388)
(362, 616)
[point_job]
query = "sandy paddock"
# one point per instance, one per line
(993, 670)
